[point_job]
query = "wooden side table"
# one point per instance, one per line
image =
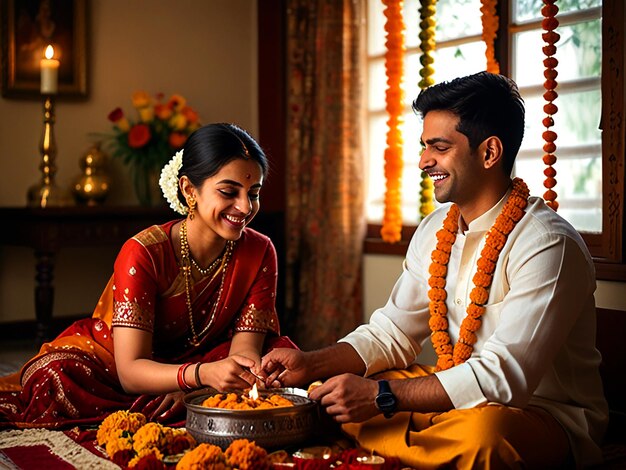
(50, 229)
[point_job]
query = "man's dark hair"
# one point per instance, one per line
(487, 105)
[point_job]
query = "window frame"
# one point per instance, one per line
(608, 247)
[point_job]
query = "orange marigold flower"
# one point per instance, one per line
(486, 265)
(470, 324)
(141, 99)
(444, 362)
(139, 135)
(443, 348)
(438, 323)
(436, 294)
(246, 455)
(495, 239)
(438, 282)
(203, 456)
(475, 311)
(444, 246)
(440, 337)
(481, 279)
(440, 257)
(162, 112)
(467, 337)
(514, 213)
(462, 352)
(489, 253)
(190, 114)
(445, 236)
(479, 295)
(437, 270)
(504, 224)
(438, 308)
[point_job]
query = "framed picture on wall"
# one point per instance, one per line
(28, 28)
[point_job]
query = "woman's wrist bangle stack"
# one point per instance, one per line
(197, 375)
(182, 383)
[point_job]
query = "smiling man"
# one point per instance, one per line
(502, 286)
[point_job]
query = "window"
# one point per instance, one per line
(590, 165)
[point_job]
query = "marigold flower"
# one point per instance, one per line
(246, 455)
(475, 311)
(444, 361)
(437, 294)
(442, 349)
(481, 279)
(440, 256)
(438, 282)
(470, 324)
(436, 269)
(438, 323)
(190, 114)
(117, 422)
(148, 436)
(139, 135)
(438, 308)
(467, 337)
(178, 121)
(176, 102)
(115, 444)
(440, 337)
(203, 456)
(148, 458)
(479, 295)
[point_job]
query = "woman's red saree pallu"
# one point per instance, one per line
(73, 380)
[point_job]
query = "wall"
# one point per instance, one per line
(204, 50)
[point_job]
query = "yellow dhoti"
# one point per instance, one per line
(490, 436)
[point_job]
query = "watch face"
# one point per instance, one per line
(386, 401)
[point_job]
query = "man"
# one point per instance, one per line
(501, 284)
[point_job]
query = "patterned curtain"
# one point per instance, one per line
(325, 181)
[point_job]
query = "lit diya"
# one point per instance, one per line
(273, 418)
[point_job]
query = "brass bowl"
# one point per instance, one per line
(270, 428)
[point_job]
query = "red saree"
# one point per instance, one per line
(73, 379)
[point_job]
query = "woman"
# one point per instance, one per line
(191, 302)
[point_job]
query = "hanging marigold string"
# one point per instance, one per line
(551, 37)
(495, 239)
(427, 46)
(491, 23)
(391, 231)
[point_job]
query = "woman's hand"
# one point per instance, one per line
(232, 373)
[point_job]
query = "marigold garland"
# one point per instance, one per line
(394, 68)
(427, 46)
(495, 240)
(490, 22)
(551, 37)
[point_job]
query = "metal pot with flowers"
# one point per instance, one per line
(147, 141)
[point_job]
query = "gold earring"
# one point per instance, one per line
(191, 202)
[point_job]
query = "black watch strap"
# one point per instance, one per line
(385, 400)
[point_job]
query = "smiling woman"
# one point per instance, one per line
(191, 302)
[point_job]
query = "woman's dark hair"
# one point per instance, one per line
(212, 146)
(487, 105)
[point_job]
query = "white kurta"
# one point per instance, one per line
(536, 344)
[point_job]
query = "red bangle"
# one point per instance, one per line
(182, 383)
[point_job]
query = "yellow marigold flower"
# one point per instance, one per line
(141, 99)
(148, 436)
(122, 442)
(146, 114)
(204, 456)
(119, 421)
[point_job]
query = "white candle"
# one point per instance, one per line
(49, 73)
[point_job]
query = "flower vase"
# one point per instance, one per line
(146, 185)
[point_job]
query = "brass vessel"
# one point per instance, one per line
(92, 186)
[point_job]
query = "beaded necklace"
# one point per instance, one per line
(185, 263)
(209, 269)
(495, 239)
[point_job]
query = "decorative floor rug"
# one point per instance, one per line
(36, 449)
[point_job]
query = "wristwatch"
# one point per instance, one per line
(385, 400)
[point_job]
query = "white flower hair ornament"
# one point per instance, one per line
(169, 182)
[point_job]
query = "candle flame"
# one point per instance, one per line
(253, 393)
(49, 52)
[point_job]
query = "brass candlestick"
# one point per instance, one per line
(46, 192)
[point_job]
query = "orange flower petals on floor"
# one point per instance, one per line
(551, 37)
(490, 22)
(496, 237)
(391, 231)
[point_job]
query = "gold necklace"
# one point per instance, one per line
(185, 263)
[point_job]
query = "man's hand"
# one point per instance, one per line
(285, 367)
(348, 398)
